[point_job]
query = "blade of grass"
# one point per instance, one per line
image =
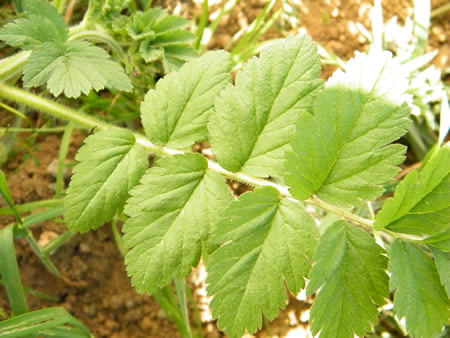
(43, 256)
(440, 10)
(202, 24)
(180, 285)
(198, 319)
(253, 28)
(36, 293)
(37, 321)
(56, 243)
(18, 5)
(148, 5)
(43, 216)
(27, 207)
(9, 271)
(63, 332)
(254, 47)
(6, 193)
(211, 29)
(16, 112)
(171, 310)
(117, 237)
(63, 149)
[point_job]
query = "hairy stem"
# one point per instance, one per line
(89, 122)
(100, 37)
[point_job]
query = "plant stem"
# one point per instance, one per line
(440, 10)
(101, 37)
(58, 110)
(13, 65)
(340, 212)
(3, 131)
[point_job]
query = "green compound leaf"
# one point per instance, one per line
(419, 295)
(442, 260)
(341, 153)
(111, 163)
(350, 273)
(42, 24)
(421, 204)
(272, 241)
(255, 119)
(171, 213)
(175, 113)
(73, 67)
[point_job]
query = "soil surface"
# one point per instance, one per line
(95, 288)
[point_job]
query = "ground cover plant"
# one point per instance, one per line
(298, 142)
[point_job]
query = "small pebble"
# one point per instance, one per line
(115, 302)
(111, 324)
(145, 324)
(161, 314)
(84, 248)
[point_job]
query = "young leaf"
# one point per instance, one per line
(272, 241)
(350, 273)
(156, 32)
(253, 121)
(175, 113)
(111, 163)
(42, 24)
(442, 260)
(419, 295)
(171, 213)
(421, 204)
(73, 67)
(341, 153)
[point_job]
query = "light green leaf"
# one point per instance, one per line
(111, 163)
(254, 120)
(441, 240)
(176, 56)
(419, 295)
(421, 203)
(46, 10)
(442, 260)
(175, 113)
(150, 54)
(350, 273)
(42, 24)
(171, 213)
(175, 37)
(341, 153)
(73, 67)
(272, 241)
